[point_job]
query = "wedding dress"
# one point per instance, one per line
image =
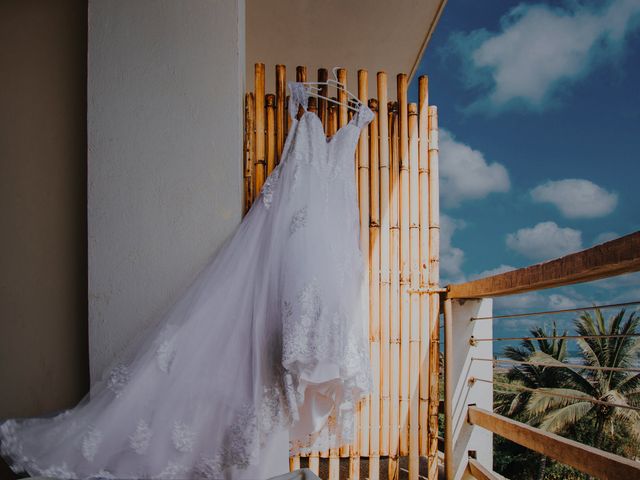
(265, 354)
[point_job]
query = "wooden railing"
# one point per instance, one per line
(616, 257)
(587, 459)
(468, 409)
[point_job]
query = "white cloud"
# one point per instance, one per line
(560, 302)
(605, 237)
(540, 49)
(451, 257)
(520, 302)
(465, 174)
(545, 241)
(576, 198)
(492, 271)
(620, 282)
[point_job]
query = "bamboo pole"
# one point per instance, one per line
(414, 297)
(374, 294)
(394, 300)
(250, 136)
(383, 140)
(260, 167)
(294, 463)
(313, 105)
(423, 168)
(301, 76)
(434, 299)
(271, 132)
(342, 98)
(363, 200)
(403, 143)
(323, 76)
(448, 391)
(314, 456)
(281, 93)
(353, 450)
(314, 463)
(288, 114)
(334, 464)
(301, 73)
(331, 129)
(332, 120)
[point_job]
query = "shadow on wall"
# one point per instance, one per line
(43, 348)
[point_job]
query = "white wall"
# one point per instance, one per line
(462, 437)
(165, 89)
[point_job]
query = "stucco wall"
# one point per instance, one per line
(165, 88)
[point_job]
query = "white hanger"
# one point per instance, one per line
(313, 89)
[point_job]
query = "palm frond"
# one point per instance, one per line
(544, 400)
(558, 420)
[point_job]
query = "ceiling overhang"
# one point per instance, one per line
(375, 35)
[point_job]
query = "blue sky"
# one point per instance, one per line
(539, 110)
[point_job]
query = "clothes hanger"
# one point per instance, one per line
(313, 89)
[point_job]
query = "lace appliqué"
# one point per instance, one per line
(312, 334)
(165, 354)
(309, 300)
(268, 188)
(118, 378)
(90, 443)
(56, 471)
(102, 475)
(296, 175)
(174, 470)
(238, 447)
(11, 447)
(182, 436)
(298, 220)
(139, 440)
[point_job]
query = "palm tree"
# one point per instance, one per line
(588, 387)
(532, 376)
(514, 404)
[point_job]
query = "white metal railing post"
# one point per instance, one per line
(461, 438)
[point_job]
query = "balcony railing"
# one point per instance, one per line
(470, 421)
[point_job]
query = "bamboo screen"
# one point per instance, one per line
(397, 170)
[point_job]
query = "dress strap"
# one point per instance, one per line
(363, 116)
(298, 96)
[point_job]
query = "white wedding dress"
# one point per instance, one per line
(264, 355)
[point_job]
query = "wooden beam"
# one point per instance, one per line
(589, 460)
(479, 471)
(616, 257)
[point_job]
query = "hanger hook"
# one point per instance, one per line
(335, 73)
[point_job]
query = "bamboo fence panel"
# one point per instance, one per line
(396, 175)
